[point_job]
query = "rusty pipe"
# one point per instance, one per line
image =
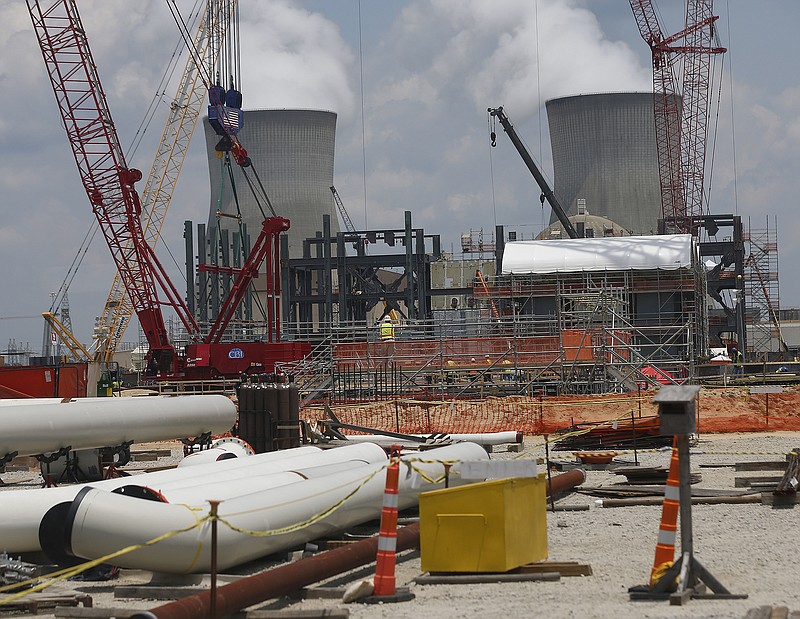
(565, 481)
(287, 578)
(279, 581)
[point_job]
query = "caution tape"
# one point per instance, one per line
(447, 464)
(299, 525)
(58, 576)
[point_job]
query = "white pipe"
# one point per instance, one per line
(91, 423)
(224, 485)
(98, 523)
(22, 510)
(187, 493)
(221, 449)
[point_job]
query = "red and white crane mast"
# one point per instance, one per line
(106, 177)
(681, 119)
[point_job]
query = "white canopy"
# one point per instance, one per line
(619, 253)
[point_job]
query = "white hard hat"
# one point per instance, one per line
(386, 319)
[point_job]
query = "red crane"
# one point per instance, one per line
(681, 120)
(109, 184)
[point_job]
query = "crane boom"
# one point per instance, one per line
(534, 170)
(681, 126)
(106, 177)
(65, 335)
(109, 184)
(184, 111)
(348, 223)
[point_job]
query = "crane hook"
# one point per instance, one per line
(493, 137)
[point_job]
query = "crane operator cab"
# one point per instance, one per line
(225, 113)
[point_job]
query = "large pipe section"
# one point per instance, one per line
(92, 423)
(23, 510)
(98, 523)
(288, 578)
(221, 449)
(565, 481)
(254, 479)
(279, 581)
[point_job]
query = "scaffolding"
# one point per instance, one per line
(561, 333)
(762, 291)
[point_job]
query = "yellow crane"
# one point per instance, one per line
(77, 349)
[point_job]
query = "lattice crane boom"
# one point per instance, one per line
(348, 223)
(184, 111)
(681, 119)
(106, 177)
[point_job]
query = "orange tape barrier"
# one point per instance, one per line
(532, 415)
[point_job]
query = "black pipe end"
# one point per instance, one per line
(55, 531)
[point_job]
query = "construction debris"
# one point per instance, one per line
(626, 433)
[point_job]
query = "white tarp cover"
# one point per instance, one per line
(619, 253)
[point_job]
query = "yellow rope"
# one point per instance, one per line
(58, 576)
(69, 572)
(301, 525)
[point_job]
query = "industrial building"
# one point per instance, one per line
(292, 153)
(604, 153)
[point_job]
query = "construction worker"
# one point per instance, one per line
(387, 329)
(738, 359)
(487, 376)
(449, 375)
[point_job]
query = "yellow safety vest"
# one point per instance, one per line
(387, 331)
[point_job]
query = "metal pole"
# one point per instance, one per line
(213, 600)
(639, 387)
(684, 468)
(549, 472)
(281, 580)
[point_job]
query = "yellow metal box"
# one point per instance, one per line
(491, 526)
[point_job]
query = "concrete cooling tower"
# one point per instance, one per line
(292, 152)
(604, 150)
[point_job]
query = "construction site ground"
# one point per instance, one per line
(749, 547)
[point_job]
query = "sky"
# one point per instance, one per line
(410, 81)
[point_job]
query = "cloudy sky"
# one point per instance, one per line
(410, 81)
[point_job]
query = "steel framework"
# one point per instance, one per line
(762, 290)
(560, 333)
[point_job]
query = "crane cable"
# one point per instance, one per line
(72, 271)
(187, 39)
(141, 130)
(226, 164)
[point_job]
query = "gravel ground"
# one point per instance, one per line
(749, 548)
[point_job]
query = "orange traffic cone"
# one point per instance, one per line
(665, 547)
(385, 589)
(387, 538)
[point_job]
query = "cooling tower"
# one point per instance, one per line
(292, 155)
(604, 151)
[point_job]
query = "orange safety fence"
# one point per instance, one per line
(546, 414)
